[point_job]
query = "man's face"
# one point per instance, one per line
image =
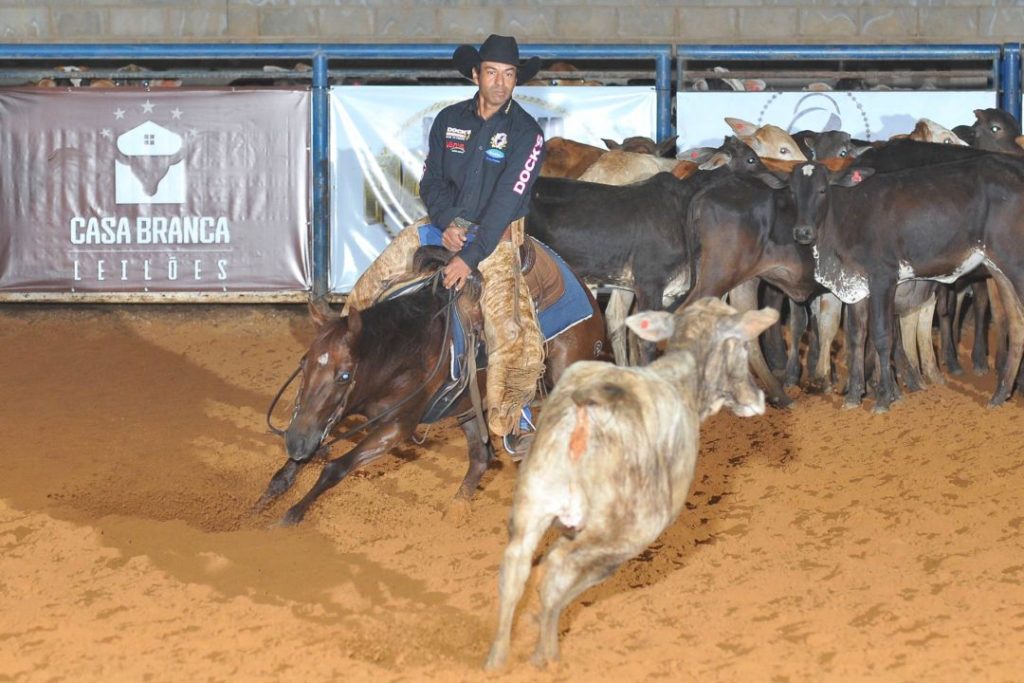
(496, 82)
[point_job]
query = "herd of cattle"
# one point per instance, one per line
(777, 216)
(895, 231)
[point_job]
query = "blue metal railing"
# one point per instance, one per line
(1005, 60)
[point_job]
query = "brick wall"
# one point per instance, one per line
(613, 21)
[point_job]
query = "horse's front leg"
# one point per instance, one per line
(282, 480)
(378, 442)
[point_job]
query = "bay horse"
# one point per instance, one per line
(386, 363)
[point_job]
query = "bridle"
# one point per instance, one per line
(445, 310)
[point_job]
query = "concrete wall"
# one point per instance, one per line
(613, 21)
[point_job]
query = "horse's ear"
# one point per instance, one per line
(321, 312)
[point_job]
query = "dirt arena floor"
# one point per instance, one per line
(818, 544)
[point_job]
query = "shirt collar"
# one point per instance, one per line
(502, 111)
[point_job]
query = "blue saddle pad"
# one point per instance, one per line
(571, 308)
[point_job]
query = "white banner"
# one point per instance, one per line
(866, 115)
(379, 142)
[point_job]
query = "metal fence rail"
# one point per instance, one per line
(1005, 70)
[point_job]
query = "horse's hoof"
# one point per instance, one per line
(458, 512)
(880, 409)
(291, 518)
(849, 404)
(980, 370)
(259, 507)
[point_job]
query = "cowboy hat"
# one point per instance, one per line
(500, 49)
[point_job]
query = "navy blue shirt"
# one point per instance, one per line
(482, 171)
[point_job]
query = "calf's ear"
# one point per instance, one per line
(741, 127)
(666, 148)
(747, 326)
(852, 176)
(610, 144)
(716, 160)
(772, 180)
(697, 155)
(652, 326)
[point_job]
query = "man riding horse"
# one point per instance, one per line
(484, 155)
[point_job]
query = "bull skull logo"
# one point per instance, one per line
(150, 166)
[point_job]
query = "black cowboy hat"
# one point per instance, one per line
(501, 49)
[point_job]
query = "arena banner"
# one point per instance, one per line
(134, 191)
(866, 115)
(379, 144)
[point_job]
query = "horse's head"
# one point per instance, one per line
(328, 378)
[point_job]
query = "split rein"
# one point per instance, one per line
(445, 310)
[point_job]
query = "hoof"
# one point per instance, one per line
(818, 386)
(781, 401)
(292, 517)
(980, 370)
(880, 409)
(458, 512)
(850, 405)
(495, 661)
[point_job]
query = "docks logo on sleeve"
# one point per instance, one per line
(531, 163)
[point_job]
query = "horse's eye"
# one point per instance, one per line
(821, 191)
(842, 153)
(344, 376)
(750, 160)
(783, 150)
(994, 129)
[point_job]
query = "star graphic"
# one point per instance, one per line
(147, 106)
(176, 113)
(107, 133)
(119, 113)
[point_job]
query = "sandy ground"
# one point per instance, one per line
(818, 544)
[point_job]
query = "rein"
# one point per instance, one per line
(446, 339)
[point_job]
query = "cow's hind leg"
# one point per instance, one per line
(772, 341)
(979, 348)
(905, 353)
(828, 313)
(797, 327)
(925, 344)
(525, 532)
(1014, 326)
(615, 313)
(946, 306)
(569, 569)
(744, 298)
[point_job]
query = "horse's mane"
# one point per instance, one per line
(399, 328)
